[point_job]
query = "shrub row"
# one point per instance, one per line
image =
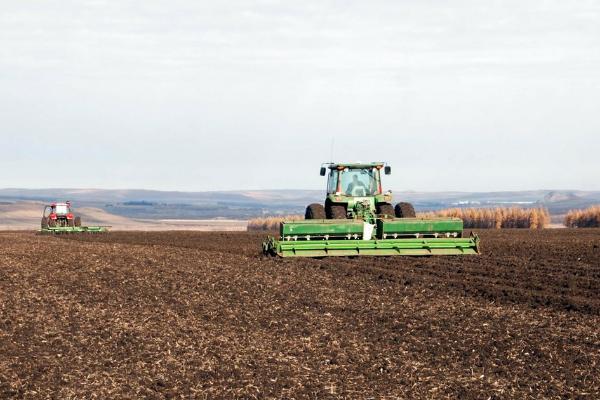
(496, 218)
(531, 218)
(588, 218)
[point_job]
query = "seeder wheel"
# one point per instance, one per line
(405, 210)
(315, 211)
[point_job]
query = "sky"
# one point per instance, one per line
(233, 95)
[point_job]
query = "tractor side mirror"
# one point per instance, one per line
(323, 171)
(387, 170)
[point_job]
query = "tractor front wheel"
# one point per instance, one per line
(385, 210)
(335, 211)
(315, 211)
(405, 210)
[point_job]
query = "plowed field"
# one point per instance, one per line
(205, 315)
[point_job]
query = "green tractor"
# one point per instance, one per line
(358, 219)
(355, 191)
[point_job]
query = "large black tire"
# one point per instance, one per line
(315, 211)
(385, 210)
(51, 223)
(335, 211)
(405, 210)
(44, 222)
(77, 221)
(71, 223)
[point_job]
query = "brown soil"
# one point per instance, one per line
(204, 315)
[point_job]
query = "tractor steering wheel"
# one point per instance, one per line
(359, 192)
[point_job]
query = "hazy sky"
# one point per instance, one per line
(198, 95)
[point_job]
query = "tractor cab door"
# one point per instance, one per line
(332, 181)
(47, 211)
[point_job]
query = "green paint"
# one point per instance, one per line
(408, 226)
(57, 230)
(387, 247)
(321, 227)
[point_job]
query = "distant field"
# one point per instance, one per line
(26, 216)
(244, 205)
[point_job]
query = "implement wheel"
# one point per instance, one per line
(315, 211)
(333, 211)
(385, 210)
(405, 210)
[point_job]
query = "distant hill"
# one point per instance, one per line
(150, 204)
(155, 205)
(556, 197)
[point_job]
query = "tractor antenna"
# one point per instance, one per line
(331, 150)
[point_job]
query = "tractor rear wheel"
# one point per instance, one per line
(71, 223)
(44, 222)
(51, 223)
(405, 210)
(385, 210)
(333, 211)
(77, 221)
(315, 211)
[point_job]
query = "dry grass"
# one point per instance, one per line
(588, 218)
(270, 223)
(532, 218)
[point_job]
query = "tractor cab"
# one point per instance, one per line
(354, 190)
(59, 215)
(355, 180)
(60, 209)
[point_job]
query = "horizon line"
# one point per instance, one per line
(288, 190)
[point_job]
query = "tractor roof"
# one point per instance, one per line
(356, 165)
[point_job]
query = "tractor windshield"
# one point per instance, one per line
(360, 181)
(61, 209)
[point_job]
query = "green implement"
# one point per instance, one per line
(57, 230)
(408, 237)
